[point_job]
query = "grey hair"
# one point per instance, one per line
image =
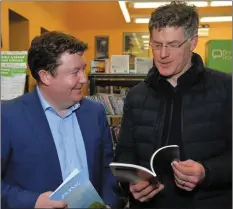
(176, 14)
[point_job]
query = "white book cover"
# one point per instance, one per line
(119, 64)
(159, 160)
(143, 64)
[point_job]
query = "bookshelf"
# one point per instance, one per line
(112, 79)
(113, 102)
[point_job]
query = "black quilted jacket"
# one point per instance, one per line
(206, 133)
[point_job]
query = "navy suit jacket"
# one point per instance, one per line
(30, 164)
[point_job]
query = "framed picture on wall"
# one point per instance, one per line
(136, 45)
(101, 47)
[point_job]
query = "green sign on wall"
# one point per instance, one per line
(13, 65)
(219, 55)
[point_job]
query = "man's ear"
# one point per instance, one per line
(45, 77)
(194, 42)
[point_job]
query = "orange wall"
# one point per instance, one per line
(36, 15)
(37, 18)
(15, 36)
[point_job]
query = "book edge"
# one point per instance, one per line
(132, 166)
(152, 157)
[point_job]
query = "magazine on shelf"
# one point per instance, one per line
(159, 162)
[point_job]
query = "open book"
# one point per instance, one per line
(78, 192)
(160, 161)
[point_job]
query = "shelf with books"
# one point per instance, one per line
(113, 79)
(110, 89)
(112, 103)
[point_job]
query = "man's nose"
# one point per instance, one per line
(83, 77)
(164, 52)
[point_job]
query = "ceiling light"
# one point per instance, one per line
(216, 19)
(143, 5)
(145, 36)
(220, 3)
(202, 19)
(124, 10)
(198, 3)
(142, 20)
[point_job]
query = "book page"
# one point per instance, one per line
(162, 158)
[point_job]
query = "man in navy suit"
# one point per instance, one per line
(52, 130)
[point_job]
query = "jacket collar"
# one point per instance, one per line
(189, 78)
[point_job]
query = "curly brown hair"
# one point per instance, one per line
(45, 51)
(176, 14)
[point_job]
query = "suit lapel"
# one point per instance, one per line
(83, 117)
(41, 130)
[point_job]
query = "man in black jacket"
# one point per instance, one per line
(180, 102)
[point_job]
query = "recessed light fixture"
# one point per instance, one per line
(220, 3)
(124, 10)
(202, 19)
(142, 20)
(145, 36)
(216, 19)
(145, 5)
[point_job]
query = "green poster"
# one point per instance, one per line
(13, 73)
(219, 55)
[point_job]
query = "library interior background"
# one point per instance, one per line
(110, 29)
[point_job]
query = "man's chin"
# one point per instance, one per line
(165, 72)
(77, 99)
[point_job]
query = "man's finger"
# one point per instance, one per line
(144, 192)
(187, 163)
(185, 178)
(184, 187)
(152, 193)
(185, 170)
(184, 183)
(139, 186)
(58, 204)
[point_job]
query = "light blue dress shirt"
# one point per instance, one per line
(67, 137)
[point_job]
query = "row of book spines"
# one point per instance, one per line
(113, 104)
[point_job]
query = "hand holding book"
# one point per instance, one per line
(188, 174)
(145, 190)
(44, 201)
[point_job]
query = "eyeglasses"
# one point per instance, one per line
(170, 46)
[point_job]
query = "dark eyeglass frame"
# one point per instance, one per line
(170, 47)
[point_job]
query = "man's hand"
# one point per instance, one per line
(43, 201)
(188, 174)
(144, 191)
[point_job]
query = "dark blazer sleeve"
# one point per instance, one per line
(109, 183)
(12, 196)
(219, 169)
